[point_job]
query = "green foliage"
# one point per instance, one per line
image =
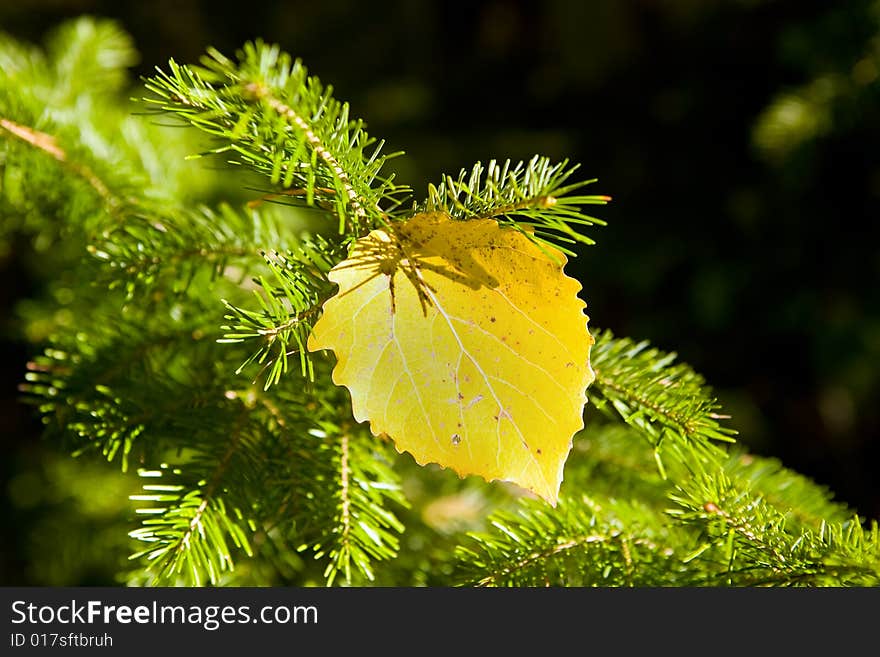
(163, 283)
(666, 402)
(289, 302)
(276, 119)
(531, 197)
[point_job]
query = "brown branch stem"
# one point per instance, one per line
(49, 144)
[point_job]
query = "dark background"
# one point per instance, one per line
(739, 140)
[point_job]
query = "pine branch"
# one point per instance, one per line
(109, 206)
(108, 392)
(365, 530)
(112, 395)
(276, 119)
(739, 535)
(188, 537)
(79, 122)
(83, 58)
(183, 246)
(137, 374)
(89, 56)
(753, 543)
(804, 503)
(665, 401)
(290, 302)
(339, 485)
(48, 144)
(285, 475)
(531, 197)
(583, 542)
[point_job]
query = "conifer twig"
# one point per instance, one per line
(260, 91)
(214, 481)
(49, 144)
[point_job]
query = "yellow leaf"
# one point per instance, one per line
(466, 344)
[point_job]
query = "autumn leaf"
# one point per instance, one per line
(466, 344)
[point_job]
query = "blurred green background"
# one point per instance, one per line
(740, 142)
